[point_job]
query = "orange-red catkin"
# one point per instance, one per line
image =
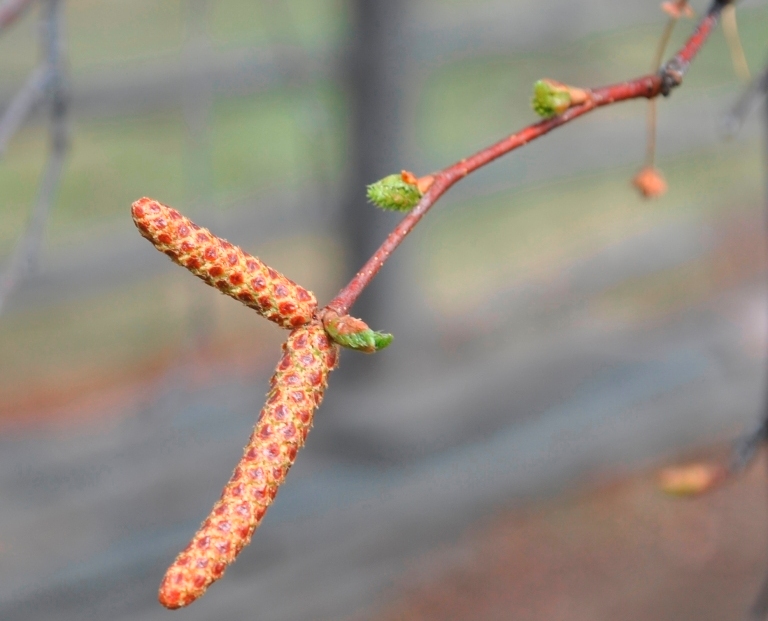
(297, 388)
(223, 265)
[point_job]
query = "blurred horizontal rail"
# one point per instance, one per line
(132, 89)
(437, 36)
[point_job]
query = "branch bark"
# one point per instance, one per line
(648, 86)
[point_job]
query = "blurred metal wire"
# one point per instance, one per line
(47, 82)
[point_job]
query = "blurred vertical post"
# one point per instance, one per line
(376, 79)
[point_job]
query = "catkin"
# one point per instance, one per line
(296, 389)
(224, 265)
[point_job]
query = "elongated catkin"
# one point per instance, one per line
(223, 265)
(297, 388)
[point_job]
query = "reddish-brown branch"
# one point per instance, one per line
(10, 10)
(692, 46)
(648, 86)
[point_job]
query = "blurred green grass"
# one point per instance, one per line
(256, 146)
(103, 33)
(258, 143)
(484, 245)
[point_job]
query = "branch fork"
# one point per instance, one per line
(311, 351)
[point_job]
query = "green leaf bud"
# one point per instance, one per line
(550, 99)
(394, 193)
(354, 333)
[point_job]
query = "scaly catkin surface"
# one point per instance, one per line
(224, 265)
(297, 388)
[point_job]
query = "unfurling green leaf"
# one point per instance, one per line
(393, 193)
(355, 334)
(550, 99)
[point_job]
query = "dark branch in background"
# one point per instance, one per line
(649, 86)
(702, 477)
(27, 252)
(746, 104)
(11, 10)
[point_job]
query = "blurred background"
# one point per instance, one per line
(556, 337)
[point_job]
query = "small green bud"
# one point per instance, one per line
(355, 334)
(550, 99)
(394, 193)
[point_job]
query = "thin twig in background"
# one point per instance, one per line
(732, 38)
(650, 149)
(11, 10)
(26, 255)
(23, 104)
(745, 104)
(703, 477)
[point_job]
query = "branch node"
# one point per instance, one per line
(671, 76)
